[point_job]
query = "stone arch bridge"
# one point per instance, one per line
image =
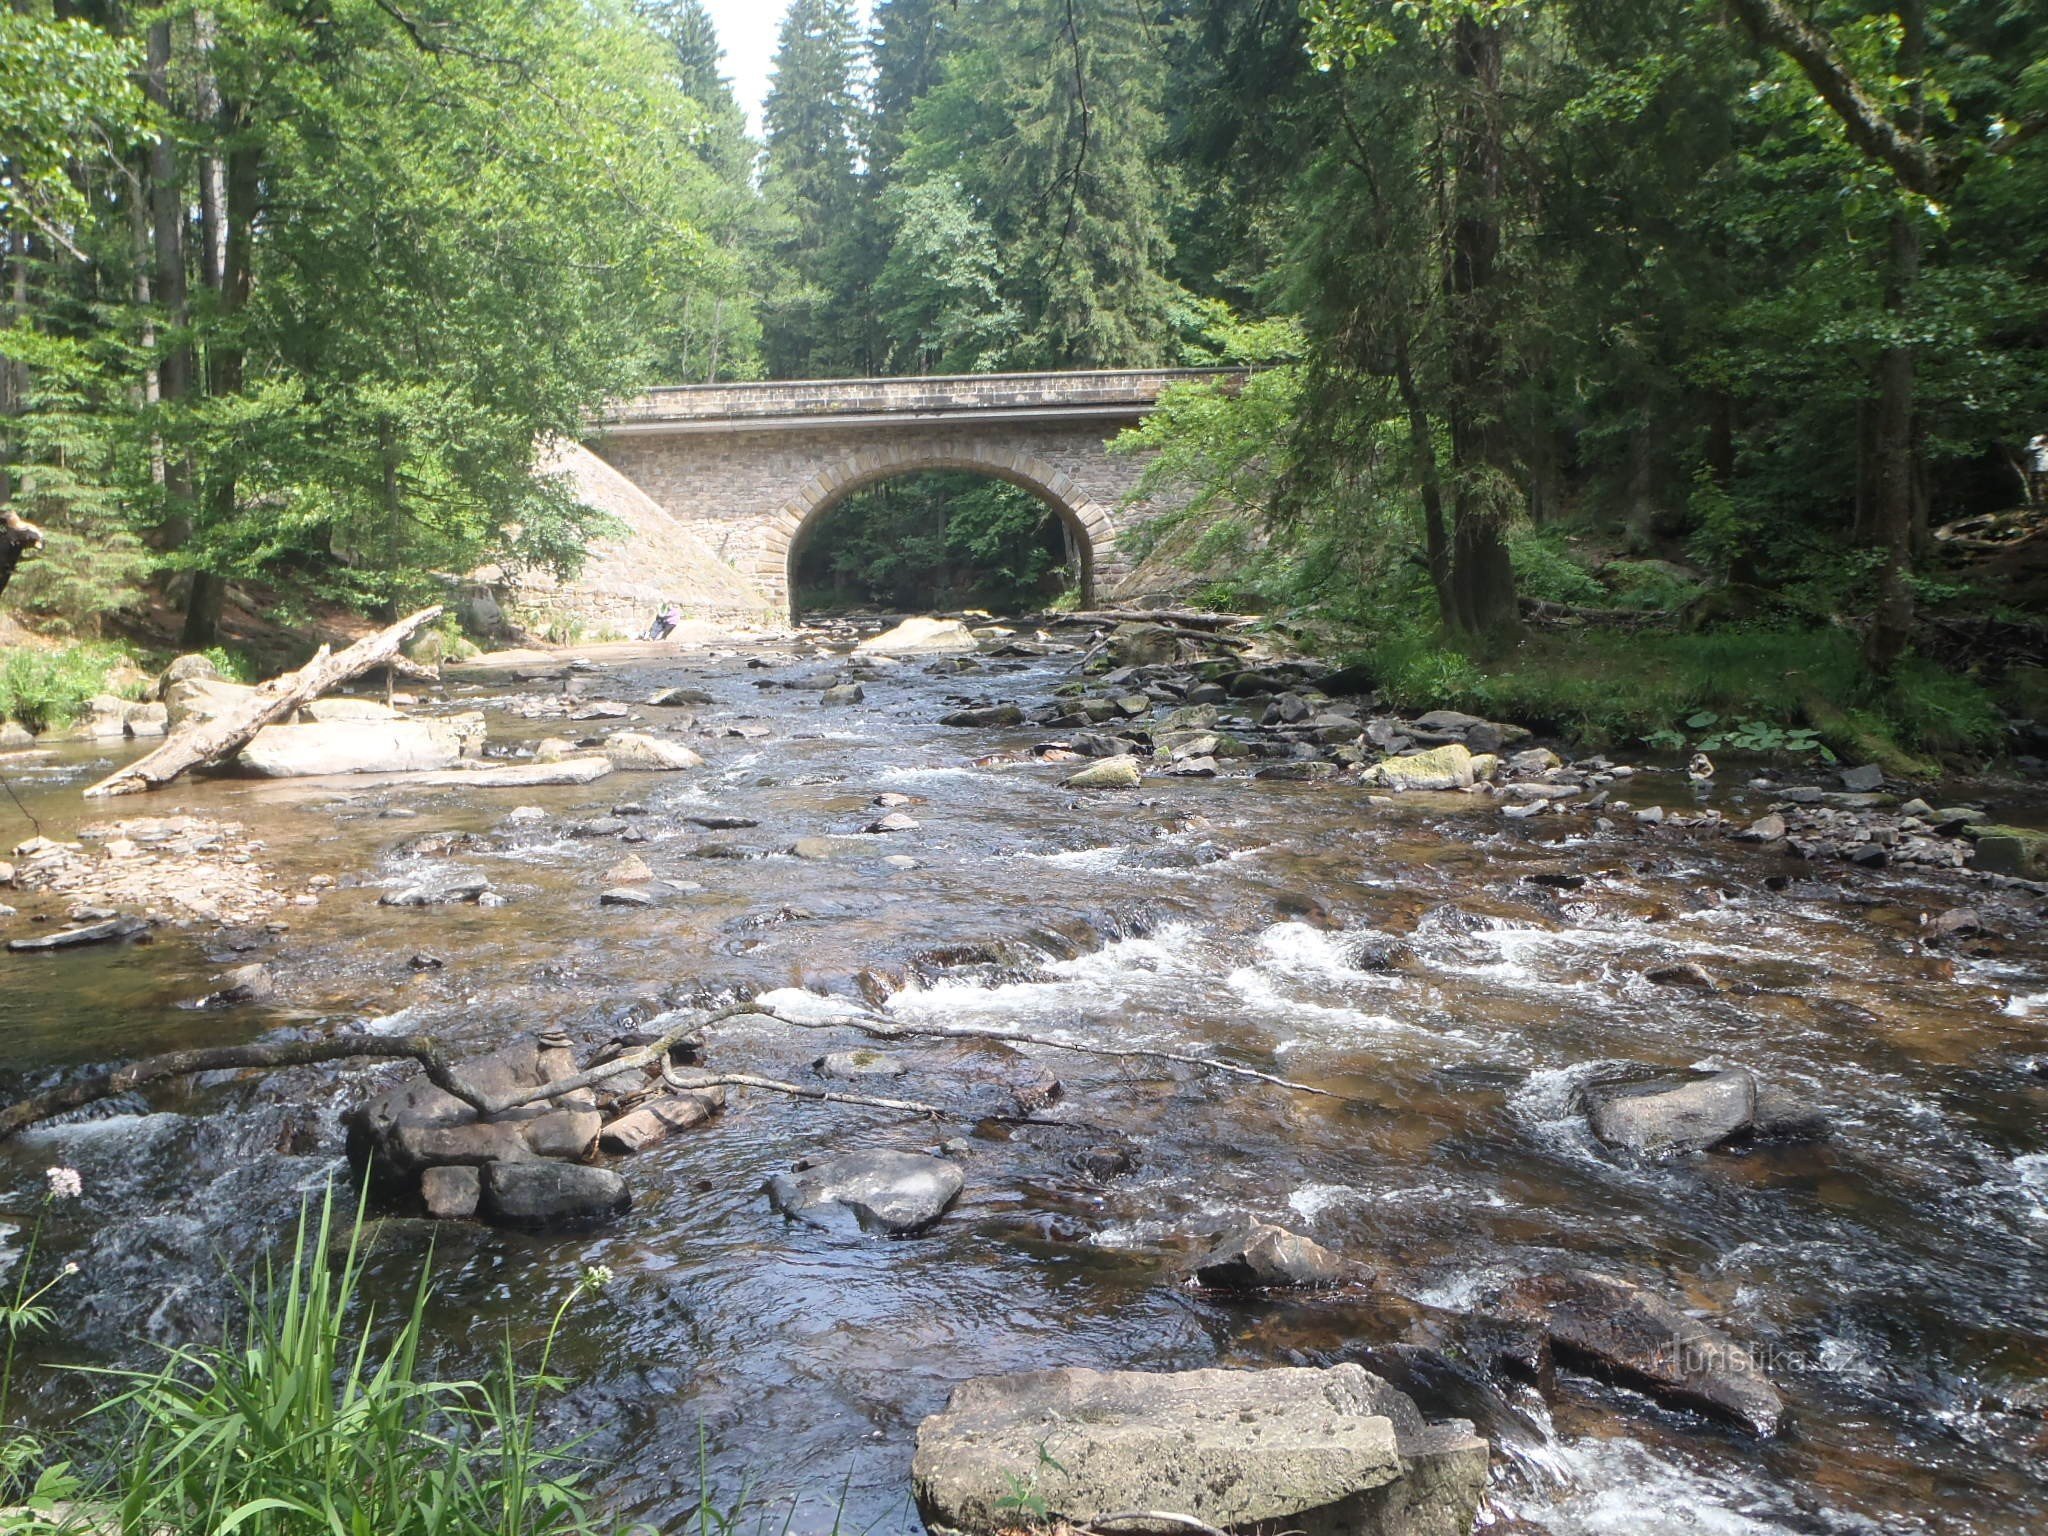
(740, 473)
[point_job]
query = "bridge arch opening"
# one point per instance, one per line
(922, 528)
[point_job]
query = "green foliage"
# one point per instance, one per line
(1761, 690)
(233, 664)
(943, 540)
(45, 688)
(316, 1424)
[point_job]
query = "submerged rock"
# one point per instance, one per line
(892, 1192)
(1333, 1452)
(1631, 1335)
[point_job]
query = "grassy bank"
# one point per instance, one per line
(321, 1419)
(1767, 688)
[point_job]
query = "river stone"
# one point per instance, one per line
(202, 698)
(535, 775)
(339, 710)
(553, 1197)
(636, 751)
(451, 1193)
(842, 693)
(1143, 645)
(352, 746)
(1672, 1114)
(985, 715)
(631, 870)
(2020, 851)
(671, 698)
(1333, 1452)
(1446, 767)
(859, 1062)
(1111, 773)
(893, 1192)
(1257, 1257)
(661, 1118)
(1635, 1336)
(415, 1124)
(1864, 779)
(921, 634)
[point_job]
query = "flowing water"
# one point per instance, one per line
(1892, 1278)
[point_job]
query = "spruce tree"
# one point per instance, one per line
(813, 121)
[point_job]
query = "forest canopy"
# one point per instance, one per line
(1712, 311)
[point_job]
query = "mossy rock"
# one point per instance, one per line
(2021, 851)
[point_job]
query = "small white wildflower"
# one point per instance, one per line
(65, 1183)
(597, 1276)
(70, 1269)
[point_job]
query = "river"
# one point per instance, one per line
(1894, 1276)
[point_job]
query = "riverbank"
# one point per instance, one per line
(1461, 975)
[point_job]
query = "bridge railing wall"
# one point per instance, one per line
(954, 392)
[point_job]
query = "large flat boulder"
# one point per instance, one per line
(353, 746)
(890, 1192)
(638, 752)
(1333, 1452)
(1621, 1331)
(920, 635)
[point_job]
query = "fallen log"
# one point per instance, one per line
(1189, 618)
(201, 742)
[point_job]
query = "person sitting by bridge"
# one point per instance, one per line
(664, 622)
(18, 539)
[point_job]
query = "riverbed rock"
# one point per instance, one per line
(1334, 1452)
(889, 1192)
(842, 694)
(202, 697)
(1631, 1335)
(415, 1125)
(1447, 767)
(340, 710)
(352, 746)
(437, 893)
(861, 1061)
(2021, 851)
(1672, 1113)
(671, 698)
(535, 775)
(921, 635)
(986, 715)
(1254, 1256)
(553, 1197)
(1143, 645)
(638, 752)
(1863, 779)
(451, 1193)
(1120, 772)
(659, 1119)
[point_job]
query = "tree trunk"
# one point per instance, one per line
(1891, 627)
(167, 213)
(1482, 581)
(1422, 439)
(226, 359)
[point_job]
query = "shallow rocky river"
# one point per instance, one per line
(1893, 1278)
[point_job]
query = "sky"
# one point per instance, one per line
(747, 28)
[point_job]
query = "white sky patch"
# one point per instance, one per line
(747, 30)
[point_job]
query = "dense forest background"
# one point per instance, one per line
(1682, 324)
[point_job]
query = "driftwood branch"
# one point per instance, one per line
(210, 741)
(691, 1080)
(1186, 618)
(446, 1073)
(115, 1081)
(877, 1027)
